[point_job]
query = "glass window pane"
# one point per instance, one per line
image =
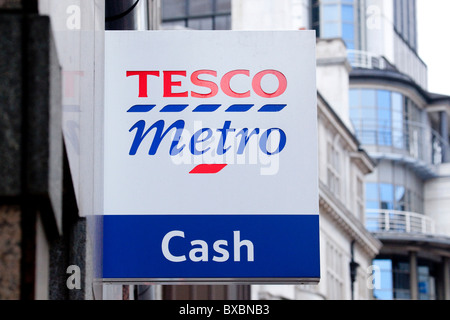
(384, 117)
(372, 205)
(386, 192)
(385, 205)
(200, 24)
(315, 15)
(223, 6)
(397, 138)
(384, 99)
(383, 284)
(400, 198)
(348, 32)
(397, 120)
(399, 193)
(222, 23)
(174, 25)
(347, 13)
(397, 105)
(330, 12)
(368, 98)
(173, 8)
(354, 98)
(401, 281)
(350, 44)
(387, 196)
(372, 191)
(199, 7)
(354, 114)
(331, 30)
(367, 137)
(384, 138)
(369, 116)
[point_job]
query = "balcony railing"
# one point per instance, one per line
(398, 222)
(406, 62)
(405, 139)
(366, 60)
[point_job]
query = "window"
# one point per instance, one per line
(360, 198)
(335, 282)
(384, 196)
(397, 121)
(196, 14)
(383, 286)
(386, 118)
(401, 275)
(405, 23)
(334, 169)
(392, 279)
(426, 271)
(336, 19)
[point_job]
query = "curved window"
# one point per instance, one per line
(385, 118)
(335, 19)
(385, 196)
(394, 123)
(392, 278)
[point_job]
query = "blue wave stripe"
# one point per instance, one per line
(174, 108)
(272, 108)
(207, 108)
(141, 108)
(239, 108)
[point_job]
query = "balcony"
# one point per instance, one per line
(381, 221)
(367, 60)
(415, 144)
(406, 62)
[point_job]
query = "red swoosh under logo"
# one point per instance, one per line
(208, 168)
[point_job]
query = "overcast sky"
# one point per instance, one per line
(433, 17)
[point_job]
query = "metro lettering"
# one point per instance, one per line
(202, 136)
(159, 136)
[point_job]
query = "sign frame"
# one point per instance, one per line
(152, 99)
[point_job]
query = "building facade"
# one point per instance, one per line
(404, 128)
(384, 101)
(384, 171)
(344, 240)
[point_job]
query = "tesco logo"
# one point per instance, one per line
(208, 143)
(197, 78)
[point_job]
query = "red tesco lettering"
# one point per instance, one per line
(207, 79)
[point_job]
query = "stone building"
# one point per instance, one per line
(383, 146)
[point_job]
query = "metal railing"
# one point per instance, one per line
(398, 222)
(406, 62)
(366, 60)
(407, 138)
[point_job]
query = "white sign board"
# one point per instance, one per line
(210, 150)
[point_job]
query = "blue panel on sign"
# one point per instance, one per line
(211, 246)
